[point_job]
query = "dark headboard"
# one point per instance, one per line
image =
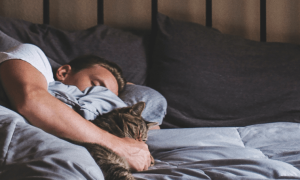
(154, 10)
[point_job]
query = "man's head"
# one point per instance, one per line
(87, 71)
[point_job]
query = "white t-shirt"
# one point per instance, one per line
(31, 54)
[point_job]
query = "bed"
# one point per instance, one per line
(233, 103)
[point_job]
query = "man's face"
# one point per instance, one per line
(93, 76)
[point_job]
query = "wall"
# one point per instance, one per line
(238, 17)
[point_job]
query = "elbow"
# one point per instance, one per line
(23, 105)
(28, 102)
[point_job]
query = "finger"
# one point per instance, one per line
(152, 161)
(147, 164)
(146, 167)
(149, 161)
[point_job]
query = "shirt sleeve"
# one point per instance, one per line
(31, 54)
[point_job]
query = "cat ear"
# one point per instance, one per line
(150, 124)
(138, 108)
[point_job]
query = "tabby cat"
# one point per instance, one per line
(122, 122)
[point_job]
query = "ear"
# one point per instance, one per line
(62, 72)
(138, 108)
(150, 124)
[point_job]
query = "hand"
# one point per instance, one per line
(154, 127)
(129, 83)
(136, 153)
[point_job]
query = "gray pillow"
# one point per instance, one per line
(126, 49)
(7, 42)
(214, 79)
(156, 104)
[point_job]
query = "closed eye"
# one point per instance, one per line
(96, 83)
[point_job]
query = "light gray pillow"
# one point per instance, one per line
(156, 104)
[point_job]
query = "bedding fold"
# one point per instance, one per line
(28, 152)
(262, 151)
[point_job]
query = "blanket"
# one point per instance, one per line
(90, 103)
(262, 151)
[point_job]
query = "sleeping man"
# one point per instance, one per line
(90, 96)
(25, 75)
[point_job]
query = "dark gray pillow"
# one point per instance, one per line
(126, 49)
(6, 42)
(213, 79)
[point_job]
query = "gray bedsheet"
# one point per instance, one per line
(263, 151)
(27, 152)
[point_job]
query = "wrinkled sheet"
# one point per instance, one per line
(263, 151)
(90, 103)
(27, 152)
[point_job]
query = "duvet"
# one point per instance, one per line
(262, 151)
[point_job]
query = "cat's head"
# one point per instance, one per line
(126, 122)
(134, 125)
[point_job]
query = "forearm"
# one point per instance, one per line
(48, 113)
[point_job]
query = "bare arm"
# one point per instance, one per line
(26, 88)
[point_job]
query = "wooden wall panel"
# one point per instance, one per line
(237, 17)
(128, 14)
(283, 21)
(73, 14)
(29, 10)
(185, 10)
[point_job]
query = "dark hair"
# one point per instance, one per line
(87, 61)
